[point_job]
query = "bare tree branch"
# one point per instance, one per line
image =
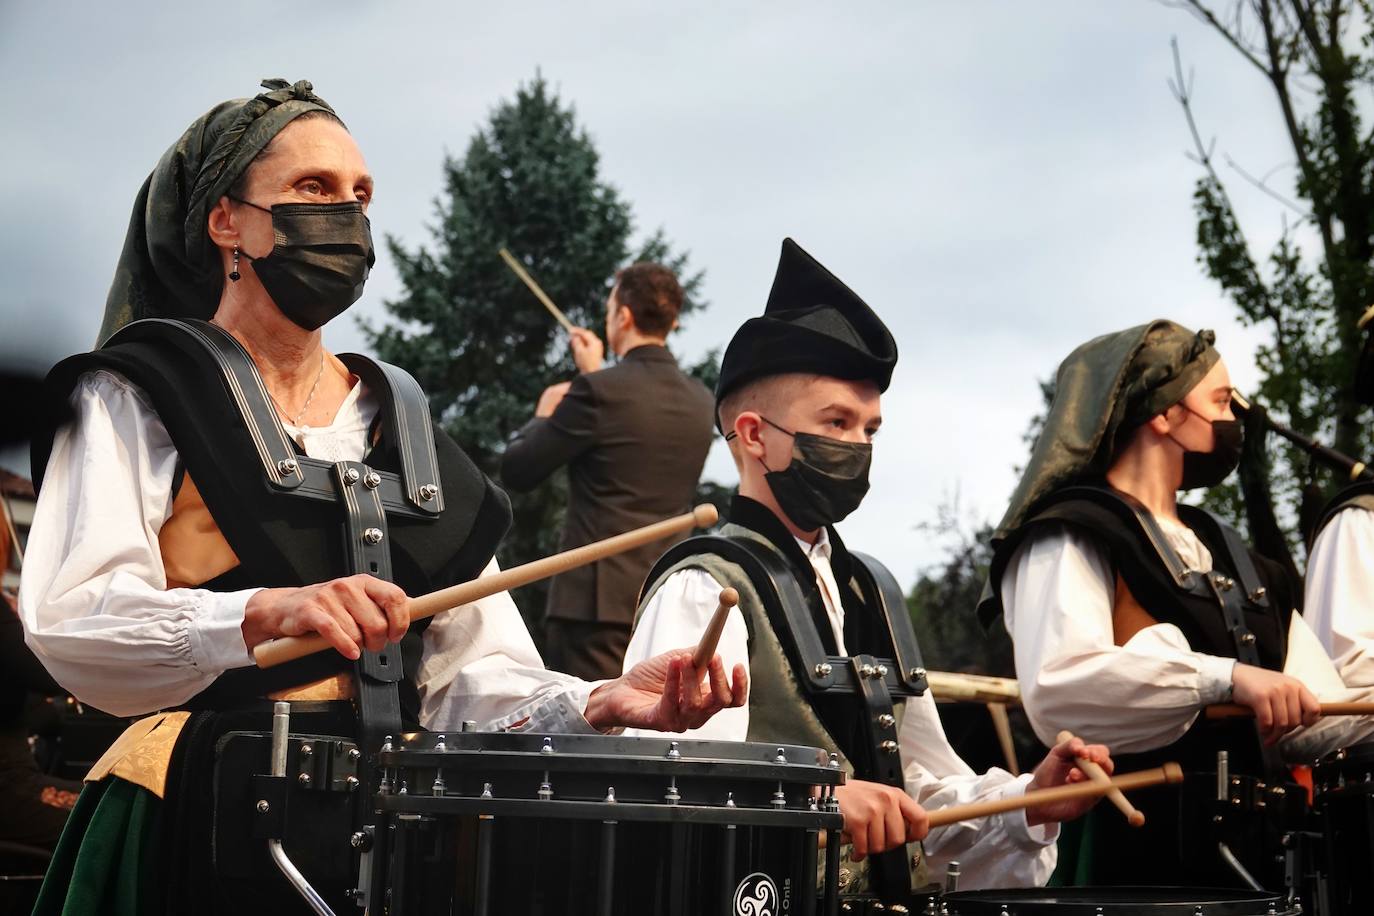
(1260, 185)
(1231, 34)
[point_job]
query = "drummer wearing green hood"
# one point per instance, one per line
(1130, 612)
(230, 481)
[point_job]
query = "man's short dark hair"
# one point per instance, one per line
(653, 296)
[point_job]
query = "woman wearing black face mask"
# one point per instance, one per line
(176, 529)
(1104, 581)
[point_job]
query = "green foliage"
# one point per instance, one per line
(479, 343)
(1310, 290)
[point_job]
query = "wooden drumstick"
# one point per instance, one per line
(287, 648)
(539, 294)
(706, 648)
(1099, 775)
(1169, 773)
(1237, 711)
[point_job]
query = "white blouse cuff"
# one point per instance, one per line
(1214, 676)
(1021, 832)
(557, 714)
(217, 631)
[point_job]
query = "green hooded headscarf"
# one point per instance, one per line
(1104, 390)
(168, 266)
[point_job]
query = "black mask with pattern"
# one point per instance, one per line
(321, 259)
(825, 481)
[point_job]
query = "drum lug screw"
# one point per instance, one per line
(442, 744)
(779, 799)
(673, 752)
(486, 790)
(438, 788)
(287, 467)
(304, 779)
(782, 756)
(372, 480)
(610, 795)
(887, 720)
(834, 762)
(351, 476)
(384, 787)
(545, 788)
(373, 535)
(672, 796)
(824, 669)
(729, 799)
(428, 492)
(386, 745)
(263, 807)
(548, 746)
(403, 790)
(360, 840)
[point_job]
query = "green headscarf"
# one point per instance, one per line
(169, 267)
(1104, 390)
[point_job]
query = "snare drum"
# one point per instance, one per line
(505, 823)
(1343, 793)
(1116, 901)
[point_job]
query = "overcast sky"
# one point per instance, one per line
(999, 180)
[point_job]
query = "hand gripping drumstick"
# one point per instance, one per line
(1099, 775)
(1237, 711)
(287, 648)
(539, 294)
(1169, 773)
(706, 649)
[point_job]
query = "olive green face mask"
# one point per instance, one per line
(320, 262)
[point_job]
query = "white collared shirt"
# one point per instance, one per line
(98, 613)
(1058, 593)
(1000, 851)
(1340, 593)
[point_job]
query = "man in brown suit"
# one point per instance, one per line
(634, 437)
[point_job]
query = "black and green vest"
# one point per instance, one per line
(801, 690)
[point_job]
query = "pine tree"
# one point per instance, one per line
(480, 345)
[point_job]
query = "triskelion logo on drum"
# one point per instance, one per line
(756, 895)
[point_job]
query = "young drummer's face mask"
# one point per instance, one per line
(1207, 469)
(824, 482)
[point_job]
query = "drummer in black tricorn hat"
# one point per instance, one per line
(1340, 568)
(175, 530)
(798, 401)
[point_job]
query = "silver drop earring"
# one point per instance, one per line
(234, 272)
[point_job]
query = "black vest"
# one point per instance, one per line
(208, 395)
(1241, 610)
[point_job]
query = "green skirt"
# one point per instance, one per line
(105, 861)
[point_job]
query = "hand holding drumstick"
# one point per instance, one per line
(1099, 775)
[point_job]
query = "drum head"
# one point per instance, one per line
(1113, 901)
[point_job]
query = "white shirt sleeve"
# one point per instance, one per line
(480, 664)
(94, 597)
(675, 618)
(999, 851)
(1339, 604)
(1057, 597)
(1308, 662)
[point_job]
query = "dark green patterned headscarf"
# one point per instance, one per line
(169, 267)
(1103, 391)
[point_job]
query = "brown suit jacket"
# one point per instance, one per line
(634, 437)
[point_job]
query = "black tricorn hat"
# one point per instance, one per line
(812, 323)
